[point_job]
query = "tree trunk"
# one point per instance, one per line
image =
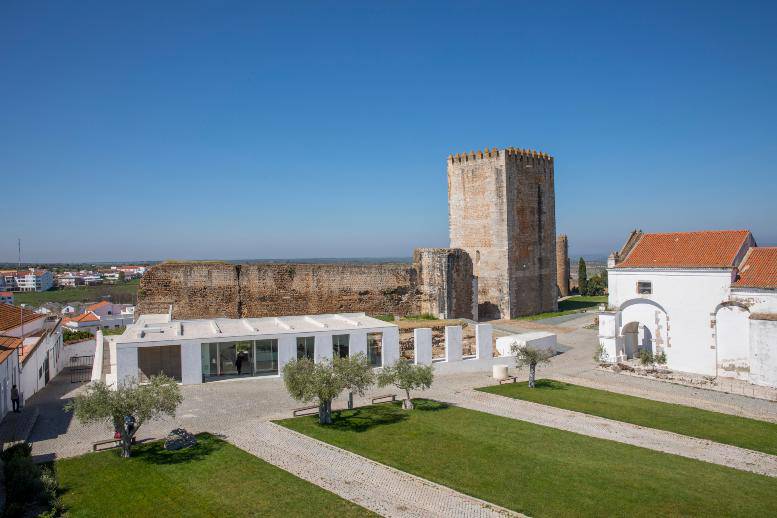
(407, 404)
(350, 400)
(532, 373)
(325, 412)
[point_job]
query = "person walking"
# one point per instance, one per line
(15, 398)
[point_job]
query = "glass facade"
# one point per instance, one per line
(243, 358)
(306, 347)
(375, 349)
(340, 346)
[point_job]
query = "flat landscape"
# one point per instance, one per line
(124, 293)
(212, 478)
(724, 428)
(541, 471)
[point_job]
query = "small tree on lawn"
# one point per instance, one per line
(307, 381)
(355, 373)
(407, 376)
(140, 403)
(531, 356)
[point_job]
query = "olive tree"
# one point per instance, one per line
(526, 355)
(356, 374)
(407, 376)
(322, 382)
(127, 407)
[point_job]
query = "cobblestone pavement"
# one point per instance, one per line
(380, 488)
(218, 407)
(627, 433)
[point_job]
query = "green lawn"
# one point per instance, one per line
(212, 478)
(124, 293)
(538, 470)
(685, 420)
(571, 305)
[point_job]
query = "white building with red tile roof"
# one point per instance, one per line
(101, 315)
(31, 352)
(707, 300)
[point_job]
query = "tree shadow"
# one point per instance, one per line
(570, 305)
(429, 405)
(547, 384)
(364, 418)
(155, 453)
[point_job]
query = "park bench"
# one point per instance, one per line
(390, 398)
(508, 378)
(115, 443)
(307, 409)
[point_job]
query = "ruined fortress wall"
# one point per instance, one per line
(445, 282)
(197, 289)
(308, 289)
(562, 265)
(206, 290)
(531, 232)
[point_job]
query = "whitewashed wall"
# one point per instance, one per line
(680, 311)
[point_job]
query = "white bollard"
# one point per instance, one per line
(499, 372)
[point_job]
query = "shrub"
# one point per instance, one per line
(20, 449)
(660, 358)
(600, 355)
(22, 479)
(645, 357)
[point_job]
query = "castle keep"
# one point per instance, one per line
(501, 263)
(502, 212)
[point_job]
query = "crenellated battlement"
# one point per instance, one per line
(495, 153)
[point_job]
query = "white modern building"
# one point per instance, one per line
(707, 300)
(196, 351)
(26, 280)
(102, 315)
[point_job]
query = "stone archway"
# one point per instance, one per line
(645, 327)
(732, 341)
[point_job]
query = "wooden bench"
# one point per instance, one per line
(115, 443)
(390, 398)
(307, 409)
(508, 378)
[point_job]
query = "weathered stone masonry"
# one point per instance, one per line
(502, 213)
(501, 264)
(438, 282)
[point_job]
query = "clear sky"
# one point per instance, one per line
(238, 130)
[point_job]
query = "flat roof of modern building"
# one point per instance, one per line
(161, 328)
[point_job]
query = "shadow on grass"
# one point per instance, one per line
(550, 385)
(573, 305)
(364, 418)
(155, 453)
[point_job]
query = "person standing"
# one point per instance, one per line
(15, 398)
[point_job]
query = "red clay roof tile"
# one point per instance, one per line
(704, 249)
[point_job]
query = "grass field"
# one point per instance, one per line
(541, 471)
(571, 305)
(685, 420)
(125, 293)
(212, 478)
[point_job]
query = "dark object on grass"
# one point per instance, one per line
(179, 439)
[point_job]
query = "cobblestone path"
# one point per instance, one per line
(382, 489)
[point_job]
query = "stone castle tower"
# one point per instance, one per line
(501, 206)
(562, 265)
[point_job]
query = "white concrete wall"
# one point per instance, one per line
(287, 350)
(9, 375)
(763, 352)
(452, 343)
(191, 362)
(484, 341)
(732, 338)
(390, 345)
(357, 343)
(688, 298)
(422, 343)
(536, 339)
(127, 365)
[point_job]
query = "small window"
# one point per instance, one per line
(306, 347)
(644, 287)
(340, 346)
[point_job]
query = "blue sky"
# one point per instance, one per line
(239, 130)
